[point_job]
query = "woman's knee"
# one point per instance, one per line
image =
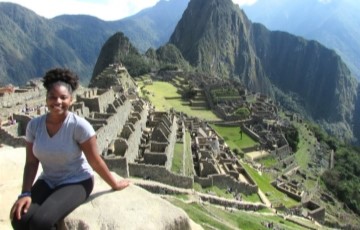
(41, 222)
(19, 224)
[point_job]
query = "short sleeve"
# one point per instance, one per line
(30, 131)
(83, 130)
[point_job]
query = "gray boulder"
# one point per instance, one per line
(131, 208)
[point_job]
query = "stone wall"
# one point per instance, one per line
(172, 141)
(6, 137)
(205, 182)
(135, 138)
(250, 133)
(8, 100)
(283, 151)
(118, 165)
(315, 211)
(155, 158)
(281, 186)
(225, 181)
(97, 100)
(14, 135)
(115, 124)
(80, 109)
(247, 176)
(232, 203)
(160, 174)
(208, 167)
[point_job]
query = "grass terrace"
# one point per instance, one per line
(264, 183)
(165, 96)
(182, 161)
(232, 137)
(211, 217)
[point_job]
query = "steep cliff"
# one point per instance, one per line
(216, 36)
(309, 70)
(118, 49)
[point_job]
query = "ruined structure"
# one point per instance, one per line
(135, 140)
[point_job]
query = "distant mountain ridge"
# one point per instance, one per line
(220, 39)
(335, 24)
(30, 44)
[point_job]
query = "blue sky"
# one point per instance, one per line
(103, 9)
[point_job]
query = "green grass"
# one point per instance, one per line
(189, 164)
(268, 162)
(159, 91)
(251, 198)
(183, 163)
(222, 193)
(306, 143)
(232, 137)
(213, 190)
(263, 181)
(213, 217)
(177, 162)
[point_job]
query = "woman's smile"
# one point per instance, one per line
(58, 99)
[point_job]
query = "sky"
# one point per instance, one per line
(104, 9)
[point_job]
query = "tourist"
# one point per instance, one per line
(11, 120)
(65, 145)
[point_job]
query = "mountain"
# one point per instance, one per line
(30, 44)
(119, 49)
(333, 23)
(307, 77)
(153, 26)
(213, 36)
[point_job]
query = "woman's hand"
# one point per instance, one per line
(121, 184)
(89, 148)
(21, 206)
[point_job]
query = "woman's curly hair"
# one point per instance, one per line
(60, 75)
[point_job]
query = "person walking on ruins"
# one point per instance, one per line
(65, 145)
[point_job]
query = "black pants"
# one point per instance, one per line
(48, 205)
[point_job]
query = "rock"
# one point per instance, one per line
(12, 162)
(131, 208)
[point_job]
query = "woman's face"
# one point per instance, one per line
(58, 99)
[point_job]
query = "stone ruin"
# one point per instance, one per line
(137, 141)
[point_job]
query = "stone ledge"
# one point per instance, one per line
(131, 208)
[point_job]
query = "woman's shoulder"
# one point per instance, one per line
(38, 119)
(77, 120)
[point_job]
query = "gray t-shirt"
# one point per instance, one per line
(60, 155)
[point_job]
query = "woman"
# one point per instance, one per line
(65, 145)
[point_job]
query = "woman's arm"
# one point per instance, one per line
(30, 170)
(90, 150)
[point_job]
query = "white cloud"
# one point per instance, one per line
(244, 2)
(325, 1)
(104, 9)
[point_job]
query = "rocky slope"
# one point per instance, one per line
(216, 36)
(31, 44)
